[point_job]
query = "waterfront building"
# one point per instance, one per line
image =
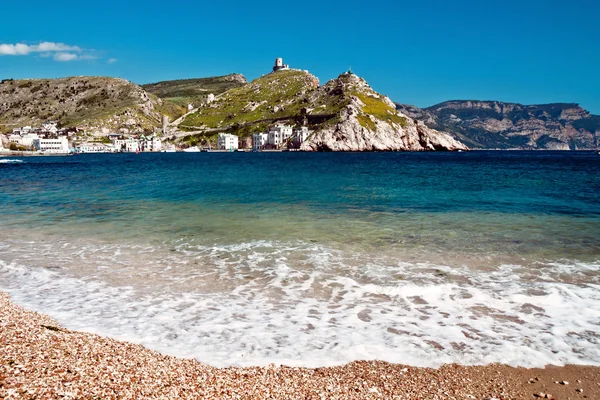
(96, 148)
(23, 140)
(260, 140)
(279, 135)
(152, 143)
(300, 135)
(228, 141)
(128, 145)
(59, 145)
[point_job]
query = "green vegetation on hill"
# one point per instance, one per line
(185, 91)
(275, 96)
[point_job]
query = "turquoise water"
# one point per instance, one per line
(313, 259)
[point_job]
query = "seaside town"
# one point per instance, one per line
(49, 139)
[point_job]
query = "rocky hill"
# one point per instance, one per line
(97, 104)
(194, 91)
(498, 125)
(345, 114)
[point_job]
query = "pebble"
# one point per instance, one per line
(580, 390)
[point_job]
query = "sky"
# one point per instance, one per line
(416, 52)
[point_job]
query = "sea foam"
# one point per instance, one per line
(304, 304)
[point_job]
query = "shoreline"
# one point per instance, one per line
(40, 359)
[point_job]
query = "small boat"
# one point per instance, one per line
(193, 149)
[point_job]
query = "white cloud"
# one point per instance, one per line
(21, 49)
(65, 57)
(58, 51)
(112, 60)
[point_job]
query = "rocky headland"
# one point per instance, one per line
(345, 114)
(367, 121)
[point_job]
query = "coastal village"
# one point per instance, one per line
(49, 139)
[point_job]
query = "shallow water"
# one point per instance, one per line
(314, 259)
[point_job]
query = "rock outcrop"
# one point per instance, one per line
(368, 121)
(498, 125)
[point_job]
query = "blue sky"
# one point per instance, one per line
(416, 52)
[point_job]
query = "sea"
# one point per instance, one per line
(313, 259)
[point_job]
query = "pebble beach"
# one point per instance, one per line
(39, 359)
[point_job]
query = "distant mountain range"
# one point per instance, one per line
(498, 125)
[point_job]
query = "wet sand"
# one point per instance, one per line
(41, 360)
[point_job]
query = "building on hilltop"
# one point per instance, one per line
(279, 65)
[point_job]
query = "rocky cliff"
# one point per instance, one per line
(494, 124)
(96, 104)
(345, 114)
(367, 121)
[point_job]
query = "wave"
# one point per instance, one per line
(304, 304)
(10, 161)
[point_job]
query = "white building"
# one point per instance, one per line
(50, 127)
(14, 138)
(279, 65)
(279, 134)
(260, 140)
(96, 148)
(27, 139)
(152, 143)
(228, 141)
(24, 140)
(300, 135)
(128, 145)
(60, 145)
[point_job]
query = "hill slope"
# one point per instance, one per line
(185, 91)
(94, 103)
(345, 114)
(494, 124)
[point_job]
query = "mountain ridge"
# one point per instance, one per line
(504, 125)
